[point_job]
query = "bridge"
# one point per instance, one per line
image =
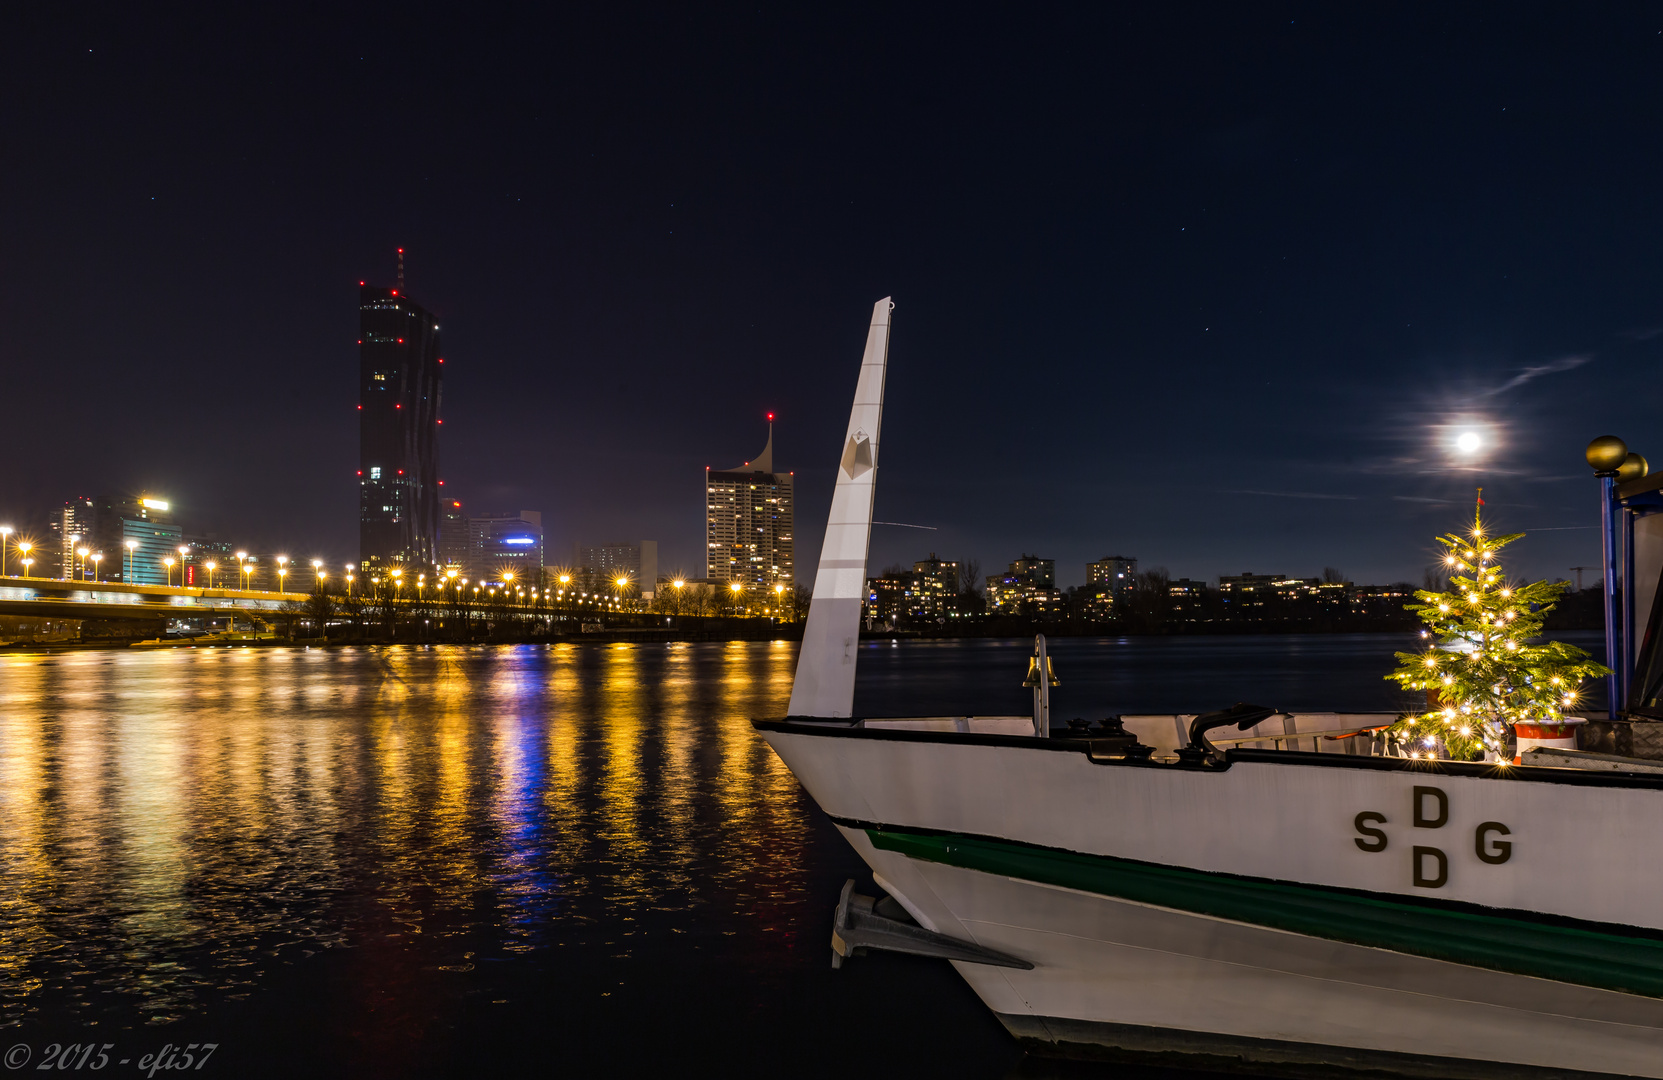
(55, 598)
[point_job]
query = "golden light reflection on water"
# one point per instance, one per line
(174, 823)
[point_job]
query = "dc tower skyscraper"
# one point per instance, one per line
(399, 369)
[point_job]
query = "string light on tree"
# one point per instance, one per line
(1482, 676)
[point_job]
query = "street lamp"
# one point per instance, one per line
(81, 570)
(317, 572)
(183, 551)
(397, 574)
(97, 558)
(132, 568)
(26, 564)
(210, 566)
(5, 538)
(168, 562)
(779, 599)
(246, 569)
(23, 547)
(282, 572)
(349, 568)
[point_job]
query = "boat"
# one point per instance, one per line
(1240, 888)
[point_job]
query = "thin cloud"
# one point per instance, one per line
(1294, 494)
(1421, 499)
(1551, 368)
(1643, 334)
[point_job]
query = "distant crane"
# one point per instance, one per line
(1579, 570)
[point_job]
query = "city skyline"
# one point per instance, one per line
(1239, 325)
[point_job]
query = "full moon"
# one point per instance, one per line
(1468, 442)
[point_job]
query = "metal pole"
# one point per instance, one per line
(1629, 631)
(1613, 632)
(1042, 692)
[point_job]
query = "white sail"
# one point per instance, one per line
(825, 684)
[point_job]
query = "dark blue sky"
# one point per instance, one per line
(1213, 287)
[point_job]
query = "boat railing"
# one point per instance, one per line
(1312, 732)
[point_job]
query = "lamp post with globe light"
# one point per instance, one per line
(97, 557)
(130, 570)
(5, 538)
(23, 547)
(1608, 456)
(168, 562)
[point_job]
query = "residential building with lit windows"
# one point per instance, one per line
(71, 523)
(455, 537)
(1118, 572)
(1029, 587)
(599, 566)
(928, 592)
(1244, 593)
(749, 515)
(935, 587)
(399, 368)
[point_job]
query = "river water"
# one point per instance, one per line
(455, 861)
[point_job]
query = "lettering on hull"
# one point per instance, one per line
(1429, 866)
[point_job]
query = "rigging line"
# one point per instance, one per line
(904, 525)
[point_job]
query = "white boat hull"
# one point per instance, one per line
(1235, 915)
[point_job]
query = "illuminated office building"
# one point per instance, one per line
(399, 367)
(506, 543)
(748, 522)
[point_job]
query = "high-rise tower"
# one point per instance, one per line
(749, 520)
(399, 369)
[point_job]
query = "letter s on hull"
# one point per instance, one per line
(1370, 838)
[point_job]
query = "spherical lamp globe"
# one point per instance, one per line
(1606, 453)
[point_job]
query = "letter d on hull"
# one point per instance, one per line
(825, 683)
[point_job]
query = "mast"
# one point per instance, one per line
(825, 683)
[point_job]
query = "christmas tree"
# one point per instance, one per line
(1482, 675)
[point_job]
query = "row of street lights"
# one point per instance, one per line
(246, 566)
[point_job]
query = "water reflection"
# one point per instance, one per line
(176, 825)
(378, 861)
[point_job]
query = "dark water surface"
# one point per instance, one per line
(460, 861)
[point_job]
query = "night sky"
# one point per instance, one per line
(1212, 287)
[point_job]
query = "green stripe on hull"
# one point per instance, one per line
(1524, 946)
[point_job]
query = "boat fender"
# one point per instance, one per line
(1240, 715)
